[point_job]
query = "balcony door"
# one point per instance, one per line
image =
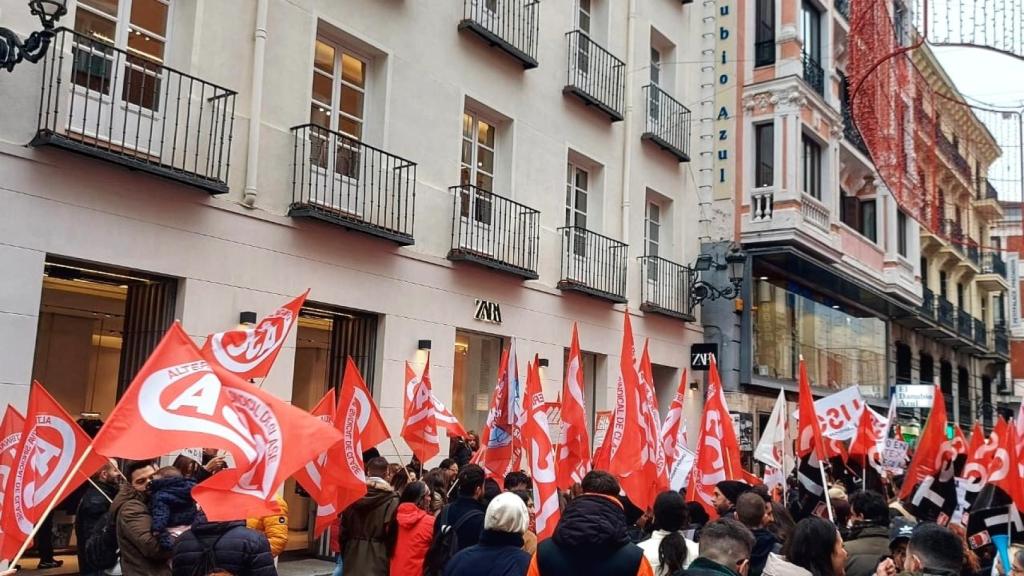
(654, 94)
(577, 196)
(583, 41)
(117, 76)
(652, 232)
(477, 184)
(337, 112)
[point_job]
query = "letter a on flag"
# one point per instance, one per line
(537, 438)
(10, 436)
(718, 451)
(51, 447)
(311, 476)
(673, 431)
(249, 353)
(420, 428)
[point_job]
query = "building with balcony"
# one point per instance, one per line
(1008, 239)
(839, 273)
(456, 176)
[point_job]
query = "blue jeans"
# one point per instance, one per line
(337, 567)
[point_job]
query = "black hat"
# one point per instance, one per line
(900, 529)
(732, 489)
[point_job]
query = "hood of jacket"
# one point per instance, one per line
(868, 530)
(409, 515)
(778, 566)
(203, 529)
(592, 523)
(124, 495)
(374, 498)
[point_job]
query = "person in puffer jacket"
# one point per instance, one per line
(591, 538)
(415, 529)
(274, 527)
(171, 505)
(217, 547)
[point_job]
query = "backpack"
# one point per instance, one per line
(445, 543)
(100, 549)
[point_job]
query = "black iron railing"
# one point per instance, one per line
(954, 233)
(593, 264)
(595, 75)
(945, 312)
(124, 107)
(993, 263)
(668, 122)
(980, 332)
(966, 418)
(950, 150)
(990, 191)
(511, 25)
(850, 131)
(764, 52)
(928, 304)
(813, 74)
(665, 287)
(342, 180)
(494, 231)
(1001, 340)
(974, 254)
(964, 323)
(843, 7)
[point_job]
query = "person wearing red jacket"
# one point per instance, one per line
(415, 529)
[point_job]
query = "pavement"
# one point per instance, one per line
(305, 567)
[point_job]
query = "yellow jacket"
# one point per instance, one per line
(275, 528)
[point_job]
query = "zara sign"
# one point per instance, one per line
(487, 311)
(701, 355)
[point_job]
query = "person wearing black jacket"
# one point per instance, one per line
(222, 547)
(469, 503)
(94, 504)
(591, 538)
(868, 540)
(753, 512)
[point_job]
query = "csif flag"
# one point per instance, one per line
(420, 427)
(574, 454)
(250, 352)
(311, 476)
(52, 460)
(501, 442)
(652, 477)
(673, 431)
(718, 451)
(537, 439)
(10, 436)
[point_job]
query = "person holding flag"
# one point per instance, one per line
(718, 450)
(811, 454)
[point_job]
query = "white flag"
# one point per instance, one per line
(772, 449)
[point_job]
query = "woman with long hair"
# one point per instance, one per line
(667, 550)
(815, 547)
(414, 529)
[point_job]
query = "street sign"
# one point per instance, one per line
(914, 395)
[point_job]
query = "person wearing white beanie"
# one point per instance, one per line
(499, 552)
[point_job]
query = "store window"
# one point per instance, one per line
(842, 347)
(475, 374)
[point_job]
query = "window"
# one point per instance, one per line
(577, 188)
(811, 159)
(901, 234)
(139, 27)
(764, 35)
(339, 92)
(652, 233)
(849, 210)
(899, 23)
(477, 168)
(868, 227)
(960, 295)
(764, 155)
(654, 94)
(655, 66)
(812, 31)
(583, 18)
(943, 284)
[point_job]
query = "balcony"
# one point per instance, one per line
(128, 109)
(665, 288)
(843, 8)
(850, 132)
(668, 123)
(974, 254)
(927, 308)
(595, 76)
(993, 272)
(987, 202)
(341, 180)
(509, 25)
(964, 324)
(952, 232)
(950, 151)
(946, 313)
(593, 264)
(1001, 341)
(493, 231)
(813, 74)
(980, 333)
(762, 204)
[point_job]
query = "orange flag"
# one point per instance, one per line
(928, 456)
(51, 446)
(250, 352)
(362, 428)
(10, 435)
(537, 438)
(718, 450)
(574, 454)
(311, 476)
(420, 428)
(623, 452)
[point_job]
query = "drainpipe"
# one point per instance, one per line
(627, 124)
(252, 152)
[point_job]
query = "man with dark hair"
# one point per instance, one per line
(450, 468)
(591, 537)
(755, 513)
(367, 531)
(725, 547)
(726, 493)
(868, 540)
(517, 480)
(466, 513)
(141, 553)
(933, 549)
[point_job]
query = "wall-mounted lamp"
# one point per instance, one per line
(735, 261)
(248, 318)
(14, 50)
(423, 345)
(694, 385)
(543, 363)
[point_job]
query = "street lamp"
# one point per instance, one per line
(13, 50)
(735, 262)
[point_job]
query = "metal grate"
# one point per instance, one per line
(665, 287)
(494, 231)
(668, 122)
(511, 25)
(593, 264)
(595, 75)
(813, 74)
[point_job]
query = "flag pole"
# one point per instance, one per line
(397, 455)
(824, 486)
(785, 440)
(53, 504)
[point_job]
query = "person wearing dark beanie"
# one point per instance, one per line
(727, 492)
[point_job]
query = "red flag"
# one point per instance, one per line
(311, 476)
(10, 435)
(420, 428)
(574, 455)
(362, 428)
(250, 352)
(979, 454)
(537, 439)
(869, 443)
(623, 453)
(447, 420)
(1003, 471)
(501, 442)
(673, 432)
(959, 440)
(718, 451)
(809, 429)
(928, 456)
(650, 476)
(50, 447)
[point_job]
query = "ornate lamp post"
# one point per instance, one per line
(13, 50)
(735, 262)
